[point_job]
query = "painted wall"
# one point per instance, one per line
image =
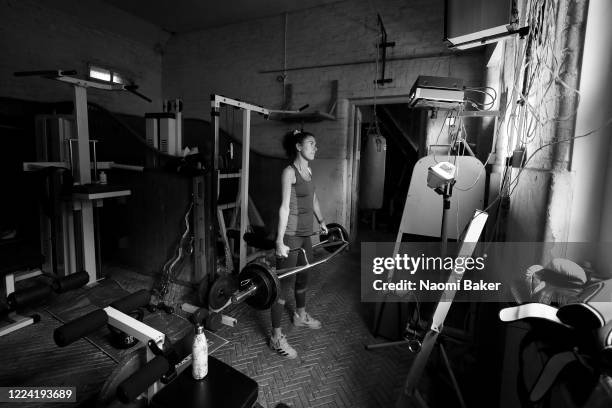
(228, 61)
(68, 34)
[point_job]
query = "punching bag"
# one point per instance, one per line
(372, 184)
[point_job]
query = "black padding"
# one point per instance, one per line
(182, 348)
(24, 297)
(138, 382)
(260, 238)
(73, 281)
(79, 327)
(133, 301)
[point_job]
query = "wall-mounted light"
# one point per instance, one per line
(477, 42)
(473, 23)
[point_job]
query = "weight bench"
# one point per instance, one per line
(18, 264)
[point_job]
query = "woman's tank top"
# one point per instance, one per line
(300, 206)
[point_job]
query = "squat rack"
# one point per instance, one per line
(216, 102)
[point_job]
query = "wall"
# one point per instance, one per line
(592, 155)
(68, 34)
(228, 61)
(543, 191)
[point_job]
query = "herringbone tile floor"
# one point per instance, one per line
(332, 369)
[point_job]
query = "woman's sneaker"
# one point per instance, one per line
(282, 347)
(306, 321)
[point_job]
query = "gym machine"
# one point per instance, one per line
(162, 377)
(78, 154)
(39, 292)
(217, 101)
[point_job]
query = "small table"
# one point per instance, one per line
(224, 386)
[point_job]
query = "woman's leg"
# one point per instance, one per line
(276, 310)
(301, 279)
(278, 341)
(301, 318)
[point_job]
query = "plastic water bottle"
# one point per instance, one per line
(199, 354)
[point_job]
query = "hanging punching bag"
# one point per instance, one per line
(372, 175)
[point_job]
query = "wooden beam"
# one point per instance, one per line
(399, 127)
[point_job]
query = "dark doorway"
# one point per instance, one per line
(400, 129)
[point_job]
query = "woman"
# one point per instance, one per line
(295, 227)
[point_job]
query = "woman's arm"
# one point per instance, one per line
(287, 179)
(317, 213)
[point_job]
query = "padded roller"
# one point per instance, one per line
(24, 297)
(73, 281)
(79, 327)
(133, 301)
(138, 382)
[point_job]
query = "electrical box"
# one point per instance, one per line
(436, 92)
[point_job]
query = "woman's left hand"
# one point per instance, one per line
(323, 227)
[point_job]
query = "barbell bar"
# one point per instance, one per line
(260, 285)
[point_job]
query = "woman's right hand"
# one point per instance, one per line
(282, 250)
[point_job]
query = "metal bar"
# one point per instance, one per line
(95, 160)
(218, 99)
(303, 252)
(361, 62)
(244, 184)
(83, 176)
(90, 84)
(284, 273)
(134, 327)
(242, 295)
(477, 114)
(452, 377)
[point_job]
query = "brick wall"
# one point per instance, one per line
(68, 34)
(228, 61)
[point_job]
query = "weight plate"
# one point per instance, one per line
(334, 236)
(203, 289)
(221, 291)
(268, 285)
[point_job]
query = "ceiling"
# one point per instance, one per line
(180, 16)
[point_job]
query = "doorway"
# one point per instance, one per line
(376, 209)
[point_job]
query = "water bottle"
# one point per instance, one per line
(199, 354)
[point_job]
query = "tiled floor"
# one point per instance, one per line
(332, 370)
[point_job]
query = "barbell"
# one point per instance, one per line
(259, 285)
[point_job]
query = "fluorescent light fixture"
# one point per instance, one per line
(99, 73)
(488, 40)
(117, 79)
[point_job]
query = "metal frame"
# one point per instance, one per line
(80, 160)
(216, 102)
(410, 389)
(143, 333)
